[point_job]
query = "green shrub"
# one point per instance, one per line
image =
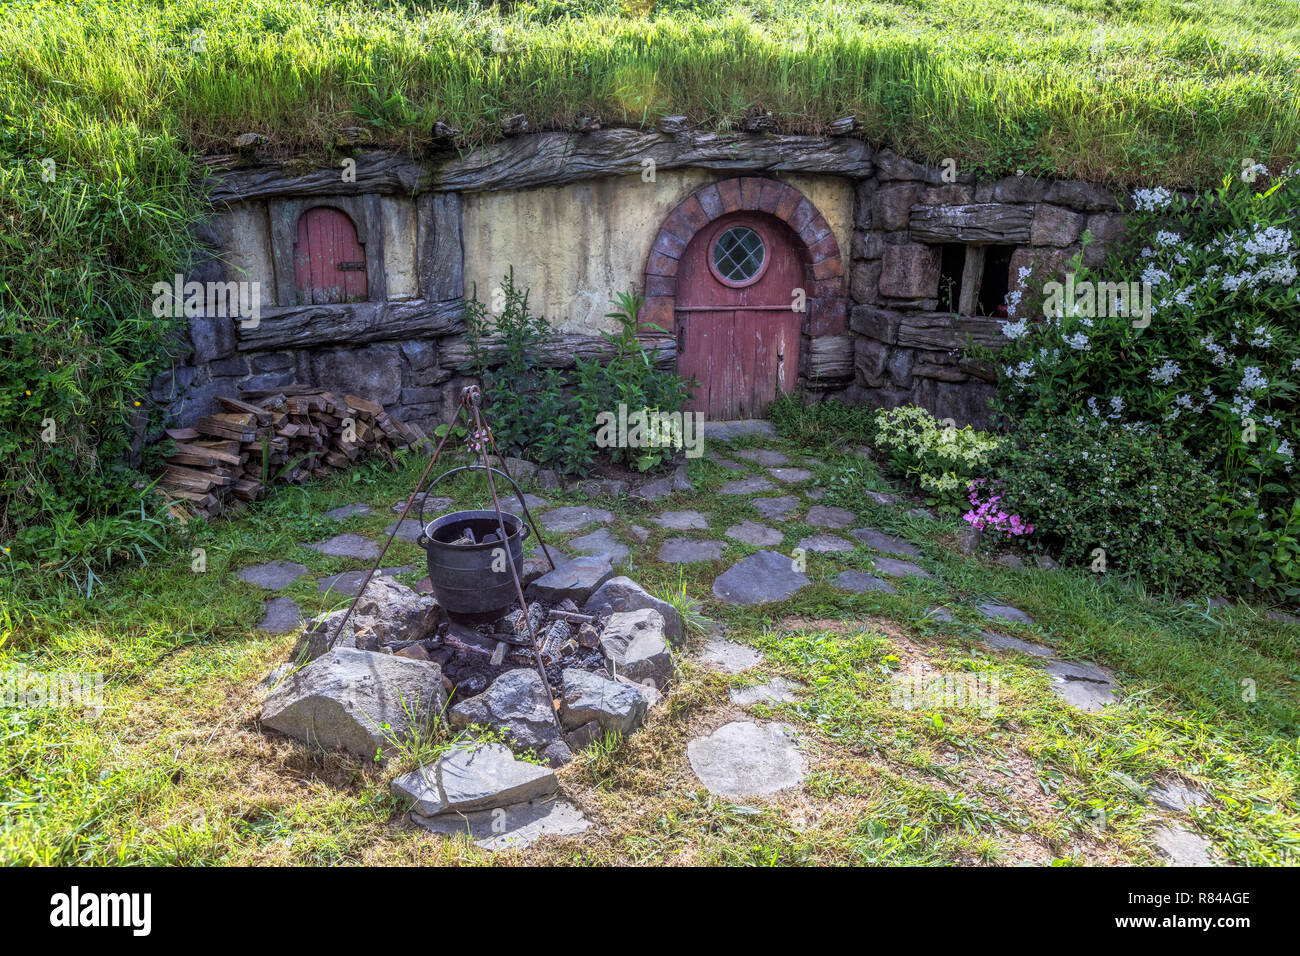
(829, 425)
(1138, 495)
(549, 416)
(942, 460)
(1217, 368)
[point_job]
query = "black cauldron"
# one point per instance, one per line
(472, 581)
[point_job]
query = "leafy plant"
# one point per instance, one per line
(942, 459)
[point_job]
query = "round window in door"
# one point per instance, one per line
(738, 257)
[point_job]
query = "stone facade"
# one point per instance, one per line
(583, 216)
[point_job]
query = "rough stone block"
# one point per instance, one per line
(910, 271)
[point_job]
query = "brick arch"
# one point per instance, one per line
(823, 267)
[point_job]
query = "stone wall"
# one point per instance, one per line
(576, 217)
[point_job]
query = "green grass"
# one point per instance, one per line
(177, 770)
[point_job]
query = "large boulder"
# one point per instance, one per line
(362, 702)
(623, 594)
(478, 777)
(574, 580)
(517, 703)
(612, 704)
(634, 644)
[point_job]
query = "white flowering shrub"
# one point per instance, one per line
(942, 459)
(1190, 331)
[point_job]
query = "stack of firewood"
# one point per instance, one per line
(281, 436)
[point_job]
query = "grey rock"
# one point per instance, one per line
(640, 533)
(1005, 612)
(746, 486)
(277, 674)
(884, 498)
(728, 431)
(622, 594)
(636, 647)
(775, 508)
(755, 534)
(888, 543)
(434, 505)
(574, 518)
(861, 582)
(968, 539)
(759, 578)
(728, 656)
(941, 614)
(511, 505)
(513, 828)
(349, 582)
(822, 516)
(516, 703)
(347, 511)
(896, 568)
(273, 575)
(766, 457)
(601, 542)
(1002, 642)
(477, 777)
(1181, 846)
(1176, 796)
(281, 616)
(1085, 686)
(825, 544)
(682, 521)
(408, 530)
(776, 691)
(613, 705)
(791, 476)
(681, 480)
(1009, 561)
(655, 489)
(726, 463)
(742, 759)
(347, 546)
(576, 579)
(1046, 562)
(690, 551)
(1283, 617)
(362, 702)
(815, 494)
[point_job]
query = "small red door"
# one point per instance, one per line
(737, 331)
(329, 263)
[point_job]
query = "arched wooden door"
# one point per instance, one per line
(329, 263)
(737, 331)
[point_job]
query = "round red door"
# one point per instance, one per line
(738, 333)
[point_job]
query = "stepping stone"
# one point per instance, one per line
(763, 456)
(1002, 642)
(724, 655)
(347, 511)
(825, 544)
(601, 542)
(742, 759)
(682, 521)
(1176, 796)
(281, 617)
(347, 546)
(775, 508)
(512, 827)
(476, 777)
(409, 530)
(640, 533)
(1182, 846)
(791, 476)
(1085, 686)
(511, 504)
(273, 575)
(776, 691)
(726, 431)
(940, 614)
(883, 498)
(762, 577)
(746, 486)
(888, 543)
(816, 494)
(861, 582)
(654, 490)
(1284, 617)
(576, 580)
(573, 518)
(896, 568)
(349, 582)
(820, 516)
(726, 463)
(755, 534)
(690, 551)
(434, 505)
(1005, 612)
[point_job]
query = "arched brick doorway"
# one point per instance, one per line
(744, 272)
